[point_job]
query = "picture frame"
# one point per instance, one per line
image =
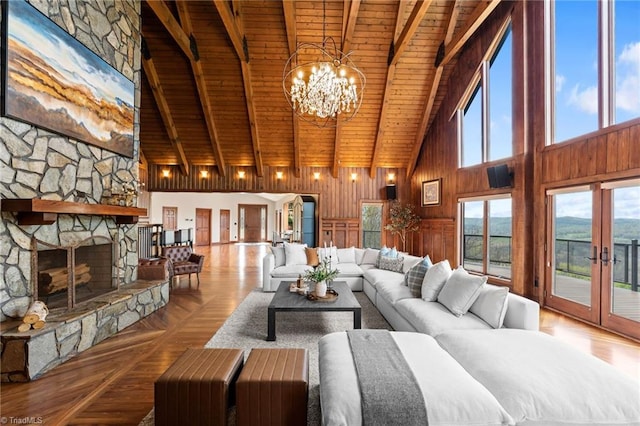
(431, 192)
(54, 82)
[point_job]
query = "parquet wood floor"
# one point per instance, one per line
(112, 383)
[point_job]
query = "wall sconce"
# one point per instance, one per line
(353, 177)
(279, 175)
(165, 173)
(316, 175)
(204, 174)
(391, 177)
(241, 174)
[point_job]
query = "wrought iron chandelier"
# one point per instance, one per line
(327, 89)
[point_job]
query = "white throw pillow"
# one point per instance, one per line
(278, 255)
(491, 304)
(460, 291)
(370, 256)
(434, 280)
(294, 254)
(347, 255)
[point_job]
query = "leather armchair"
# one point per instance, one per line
(182, 260)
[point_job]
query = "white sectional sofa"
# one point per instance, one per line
(388, 292)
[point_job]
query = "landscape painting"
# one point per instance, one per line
(54, 82)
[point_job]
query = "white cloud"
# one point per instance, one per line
(628, 78)
(560, 80)
(585, 100)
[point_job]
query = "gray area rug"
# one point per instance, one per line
(246, 328)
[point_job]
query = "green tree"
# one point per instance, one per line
(403, 220)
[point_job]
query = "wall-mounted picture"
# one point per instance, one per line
(53, 81)
(431, 193)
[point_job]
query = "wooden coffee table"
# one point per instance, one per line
(285, 301)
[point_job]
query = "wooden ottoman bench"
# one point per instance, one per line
(198, 388)
(273, 388)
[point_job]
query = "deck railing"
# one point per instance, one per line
(572, 256)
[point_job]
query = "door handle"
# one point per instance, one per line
(594, 259)
(604, 256)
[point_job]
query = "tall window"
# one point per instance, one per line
(371, 225)
(486, 236)
(594, 65)
(484, 113)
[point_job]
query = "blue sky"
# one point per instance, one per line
(576, 59)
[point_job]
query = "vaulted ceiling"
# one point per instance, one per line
(212, 83)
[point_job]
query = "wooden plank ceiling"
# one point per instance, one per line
(212, 87)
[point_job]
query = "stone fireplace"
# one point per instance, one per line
(53, 215)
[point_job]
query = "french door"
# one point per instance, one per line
(592, 254)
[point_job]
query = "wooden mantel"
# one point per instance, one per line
(45, 212)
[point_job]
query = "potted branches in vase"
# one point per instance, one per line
(320, 275)
(403, 221)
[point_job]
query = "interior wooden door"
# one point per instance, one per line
(225, 220)
(203, 227)
(252, 222)
(169, 218)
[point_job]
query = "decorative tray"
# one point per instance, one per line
(331, 296)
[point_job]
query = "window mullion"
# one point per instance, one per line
(605, 66)
(550, 72)
(485, 238)
(484, 81)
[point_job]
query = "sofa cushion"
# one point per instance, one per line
(491, 304)
(393, 292)
(433, 318)
(294, 254)
(460, 291)
(278, 255)
(348, 270)
(414, 277)
(434, 280)
(370, 256)
(347, 255)
(312, 256)
(291, 271)
(359, 254)
(375, 276)
(410, 261)
(394, 264)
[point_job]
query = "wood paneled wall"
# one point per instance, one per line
(436, 238)
(337, 197)
(607, 154)
(340, 232)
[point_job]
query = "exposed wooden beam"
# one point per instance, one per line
(165, 111)
(349, 18)
(400, 41)
(230, 23)
(289, 9)
(172, 26)
(142, 159)
(203, 94)
(480, 13)
(447, 31)
(232, 20)
(409, 30)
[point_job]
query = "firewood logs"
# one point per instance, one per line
(54, 280)
(35, 317)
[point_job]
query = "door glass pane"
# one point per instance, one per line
(625, 295)
(500, 132)
(500, 238)
(472, 226)
(472, 131)
(572, 246)
(627, 60)
(576, 68)
(241, 223)
(371, 225)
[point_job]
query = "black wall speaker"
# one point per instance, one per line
(391, 192)
(499, 176)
